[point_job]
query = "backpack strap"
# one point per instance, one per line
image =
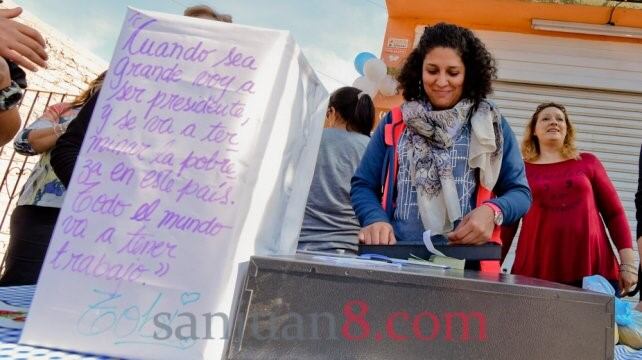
(392, 134)
(489, 266)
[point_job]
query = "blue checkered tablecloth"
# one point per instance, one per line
(623, 352)
(9, 347)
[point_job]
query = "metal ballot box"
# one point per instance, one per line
(318, 307)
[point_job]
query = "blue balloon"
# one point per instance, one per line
(361, 59)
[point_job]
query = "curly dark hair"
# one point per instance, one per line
(479, 63)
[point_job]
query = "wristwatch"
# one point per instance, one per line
(499, 216)
(10, 96)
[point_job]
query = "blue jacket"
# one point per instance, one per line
(512, 191)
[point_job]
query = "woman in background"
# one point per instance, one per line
(563, 238)
(34, 218)
(329, 223)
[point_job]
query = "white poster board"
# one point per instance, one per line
(199, 154)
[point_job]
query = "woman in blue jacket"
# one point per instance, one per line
(446, 160)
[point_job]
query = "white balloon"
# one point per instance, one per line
(387, 86)
(375, 69)
(366, 85)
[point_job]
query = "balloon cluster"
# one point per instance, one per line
(374, 75)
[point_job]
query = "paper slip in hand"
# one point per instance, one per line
(428, 242)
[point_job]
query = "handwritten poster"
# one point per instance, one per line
(199, 154)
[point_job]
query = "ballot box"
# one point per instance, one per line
(322, 307)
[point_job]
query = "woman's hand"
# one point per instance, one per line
(628, 271)
(475, 228)
(9, 119)
(627, 281)
(20, 43)
(378, 233)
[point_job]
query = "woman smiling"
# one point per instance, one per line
(443, 153)
(563, 238)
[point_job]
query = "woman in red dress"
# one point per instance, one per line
(563, 237)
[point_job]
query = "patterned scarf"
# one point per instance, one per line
(431, 135)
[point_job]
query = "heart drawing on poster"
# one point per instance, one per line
(190, 297)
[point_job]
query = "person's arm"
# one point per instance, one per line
(610, 207)
(10, 124)
(365, 192)
(24, 46)
(638, 202)
(513, 197)
(20, 43)
(42, 134)
(9, 119)
(67, 149)
(638, 218)
(609, 204)
(43, 139)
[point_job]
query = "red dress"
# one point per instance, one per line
(563, 238)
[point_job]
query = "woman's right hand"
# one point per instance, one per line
(20, 43)
(378, 233)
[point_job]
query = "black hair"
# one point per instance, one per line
(355, 107)
(479, 63)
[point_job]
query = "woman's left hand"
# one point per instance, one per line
(475, 228)
(627, 281)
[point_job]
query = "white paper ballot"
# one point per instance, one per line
(428, 242)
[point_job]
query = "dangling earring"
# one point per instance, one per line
(422, 94)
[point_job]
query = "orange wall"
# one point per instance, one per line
(508, 15)
(496, 15)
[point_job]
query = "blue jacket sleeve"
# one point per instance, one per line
(365, 192)
(513, 194)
